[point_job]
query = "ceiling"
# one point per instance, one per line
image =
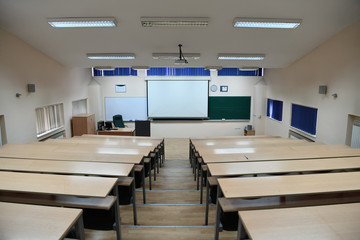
(321, 20)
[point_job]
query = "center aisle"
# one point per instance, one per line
(172, 210)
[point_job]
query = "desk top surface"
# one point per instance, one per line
(287, 146)
(119, 130)
(82, 186)
(66, 167)
(29, 151)
(339, 221)
(289, 185)
(118, 137)
(286, 166)
(242, 141)
(22, 221)
(298, 152)
(106, 142)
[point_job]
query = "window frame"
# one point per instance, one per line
(49, 120)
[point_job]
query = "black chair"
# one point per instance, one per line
(118, 121)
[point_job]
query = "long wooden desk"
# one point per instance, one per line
(283, 186)
(71, 153)
(340, 221)
(277, 167)
(118, 132)
(118, 170)
(66, 167)
(287, 166)
(326, 151)
(30, 151)
(61, 185)
(113, 142)
(22, 221)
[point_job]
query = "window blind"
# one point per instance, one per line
(304, 118)
(274, 109)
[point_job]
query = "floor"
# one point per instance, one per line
(173, 209)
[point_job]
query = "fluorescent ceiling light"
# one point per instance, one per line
(174, 56)
(266, 23)
(111, 56)
(249, 68)
(140, 67)
(104, 68)
(174, 22)
(224, 56)
(81, 22)
(213, 67)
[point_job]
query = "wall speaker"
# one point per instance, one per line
(31, 88)
(322, 89)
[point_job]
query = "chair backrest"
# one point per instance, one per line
(118, 121)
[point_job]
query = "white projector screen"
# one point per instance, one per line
(174, 99)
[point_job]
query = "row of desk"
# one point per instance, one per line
(270, 173)
(81, 173)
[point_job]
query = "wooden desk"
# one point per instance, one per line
(286, 166)
(340, 221)
(118, 131)
(302, 152)
(289, 185)
(38, 151)
(118, 170)
(106, 142)
(280, 186)
(62, 185)
(22, 221)
(78, 186)
(275, 167)
(66, 167)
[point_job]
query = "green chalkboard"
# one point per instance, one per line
(230, 108)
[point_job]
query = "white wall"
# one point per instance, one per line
(335, 63)
(237, 86)
(21, 64)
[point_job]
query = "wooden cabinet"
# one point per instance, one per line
(83, 124)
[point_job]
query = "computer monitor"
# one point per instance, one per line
(100, 125)
(108, 125)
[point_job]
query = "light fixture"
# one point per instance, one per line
(231, 56)
(249, 68)
(213, 68)
(174, 22)
(75, 22)
(104, 68)
(266, 23)
(140, 67)
(120, 56)
(173, 56)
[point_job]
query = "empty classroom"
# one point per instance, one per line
(179, 120)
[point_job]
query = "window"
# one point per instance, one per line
(79, 107)
(304, 119)
(49, 120)
(274, 109)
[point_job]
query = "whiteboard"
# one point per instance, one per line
(178, 99)
(131, 108)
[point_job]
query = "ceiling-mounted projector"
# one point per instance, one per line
(181, 60)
